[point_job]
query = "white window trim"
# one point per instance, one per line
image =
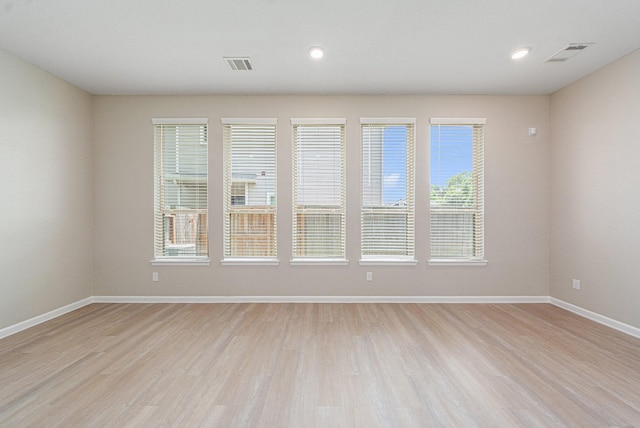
(181, 121)
(457, 262)
(387, 120)
(458, 121)
(248, 121)
(391, 260)
(319, 121)
(181, 261)
(312, 261)
(252, 260)
(249, 261)
(388, 261)
(331, 261)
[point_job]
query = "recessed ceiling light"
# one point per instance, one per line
(520, 53)
(316, 52)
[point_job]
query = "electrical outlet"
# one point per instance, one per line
(154, 276)
(576, 284)
(369, 276)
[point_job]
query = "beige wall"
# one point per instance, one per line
(595, 203)
(77, 217)
(46, 191)
(517, 192)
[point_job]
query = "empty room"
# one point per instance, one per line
(280, 213)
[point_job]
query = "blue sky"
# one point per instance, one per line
(454, 153)
(394, 170)
(451, 151)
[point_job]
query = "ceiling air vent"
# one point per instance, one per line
(568, 52)
(239, 63)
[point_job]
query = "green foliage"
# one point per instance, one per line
(457, 192)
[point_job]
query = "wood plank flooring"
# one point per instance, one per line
(324, 365)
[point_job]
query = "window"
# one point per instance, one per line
(180, 197)
(457, 190)
(387, 212)
(318, 190)
(238, 193)
(249, 189)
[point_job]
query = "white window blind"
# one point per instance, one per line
(457, 189)
(387, 212)
(249, 188)
(180, 184)
(318, 188)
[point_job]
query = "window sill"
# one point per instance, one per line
(389, 261)
(249, 261)
(181, 261)
(318, 261)
(457, 262)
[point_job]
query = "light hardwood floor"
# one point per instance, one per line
(325, 365)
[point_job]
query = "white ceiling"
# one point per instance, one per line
(372, 46)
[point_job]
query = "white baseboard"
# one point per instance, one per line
(600, 319)
(321, 299)
(15, 328)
